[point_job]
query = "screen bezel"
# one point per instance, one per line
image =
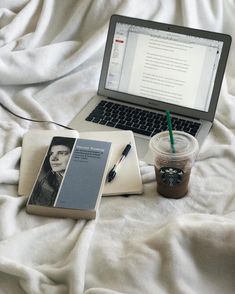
(159, 105)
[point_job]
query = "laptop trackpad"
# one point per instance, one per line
(142, 146)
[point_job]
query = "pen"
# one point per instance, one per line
(113, 171)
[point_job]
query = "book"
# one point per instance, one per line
(71, 178)
(35, 143)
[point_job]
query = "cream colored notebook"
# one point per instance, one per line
(35, 143)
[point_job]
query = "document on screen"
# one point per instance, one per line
(170, 70)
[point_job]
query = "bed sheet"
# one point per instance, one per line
(50, 58)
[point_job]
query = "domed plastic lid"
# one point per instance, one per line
(185, 145)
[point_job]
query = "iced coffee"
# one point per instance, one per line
(173, 168)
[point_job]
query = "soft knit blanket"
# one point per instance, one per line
(50, 59)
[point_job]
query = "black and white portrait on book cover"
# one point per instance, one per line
(52, 171)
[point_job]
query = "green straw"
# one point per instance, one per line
(168, 117)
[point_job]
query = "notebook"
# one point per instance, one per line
(35, 144)
(152, 67)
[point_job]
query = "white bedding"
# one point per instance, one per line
(50, 59)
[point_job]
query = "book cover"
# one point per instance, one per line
(71, 178)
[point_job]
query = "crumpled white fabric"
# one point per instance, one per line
(50, 59)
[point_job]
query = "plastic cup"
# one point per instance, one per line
(173, 169)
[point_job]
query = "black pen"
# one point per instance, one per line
(113, 171)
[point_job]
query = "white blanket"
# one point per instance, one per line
(50, 58)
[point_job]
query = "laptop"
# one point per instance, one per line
(150, 67)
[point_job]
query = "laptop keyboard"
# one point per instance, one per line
(139, 121)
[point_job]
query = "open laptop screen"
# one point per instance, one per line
(164, 66)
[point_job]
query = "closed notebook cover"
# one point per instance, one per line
(127, 181)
